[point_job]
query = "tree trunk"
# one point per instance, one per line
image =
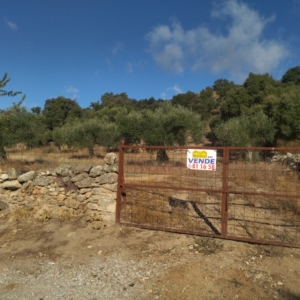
(91, 152)
(250, 155)
(162, 155)
(3, 156)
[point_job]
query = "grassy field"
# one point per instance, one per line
(50, 157)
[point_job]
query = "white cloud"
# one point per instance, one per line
(118, 48)
(72, 90)
(170, 92)
(241, 50)
(175, 89)
(13, 26)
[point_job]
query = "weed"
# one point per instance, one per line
(236, 282)
(208, 246)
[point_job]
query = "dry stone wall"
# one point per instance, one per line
(292, 161)
(64, 191)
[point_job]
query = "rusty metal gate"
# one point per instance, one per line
(253, 195)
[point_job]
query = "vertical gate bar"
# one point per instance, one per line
(120, 182)
(224, 192)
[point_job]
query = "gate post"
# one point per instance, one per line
(120, 182)
(224, 212)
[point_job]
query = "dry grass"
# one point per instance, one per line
(50, 157)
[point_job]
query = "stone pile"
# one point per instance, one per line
(292, 161)
(82, 189)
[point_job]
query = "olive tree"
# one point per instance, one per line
(165, 126)
(245, 131)
(87, 134)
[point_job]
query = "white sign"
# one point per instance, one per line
(197, 159)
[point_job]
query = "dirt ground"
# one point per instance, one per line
(190, 267)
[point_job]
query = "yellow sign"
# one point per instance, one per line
(199, 154)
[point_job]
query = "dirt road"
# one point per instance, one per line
(69, 260)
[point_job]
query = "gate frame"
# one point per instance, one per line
(121, 193)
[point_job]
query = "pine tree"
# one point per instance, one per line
(6, 113)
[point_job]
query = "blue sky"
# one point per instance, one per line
(83, 49)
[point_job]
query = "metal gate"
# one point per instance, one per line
(253, 194)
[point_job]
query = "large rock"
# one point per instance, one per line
(82, 168)
(11, 185)
(107, 178)
(64, 170)
(111, 168)
(97, 171)
(43, 180)
(79, 177)
(85, 183)
(110, 158)
(4, 177)
(26, 177)
(13, 173)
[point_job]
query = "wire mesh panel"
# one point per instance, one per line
(265, 218)
(164, 193)
(168, 209)
(264, 198)
(251, 194)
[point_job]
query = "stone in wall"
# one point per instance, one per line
(13, 173)
(43, 180)
(110, 158)
(64, 191)
(80, 177)
(11, 185)
(82, 168)
(26, 177)
(85, 183)
(97, 171)
(64, 170)
(107, 178)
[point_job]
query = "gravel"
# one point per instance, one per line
(104, 278)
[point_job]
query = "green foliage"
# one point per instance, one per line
(110, 113)
(292, 75)
(3, 82)
(221, 86)
(203, 103)
(111, 99)
(286, 112)
(249, 98)
(129, 126)
(59, 111)
(21, 126)
(171, 125)
(36, 110)
(5, 117)
(87, 134)
(167, 125)
(256, 130)
(235, 104)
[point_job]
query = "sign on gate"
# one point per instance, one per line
(201, 159)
